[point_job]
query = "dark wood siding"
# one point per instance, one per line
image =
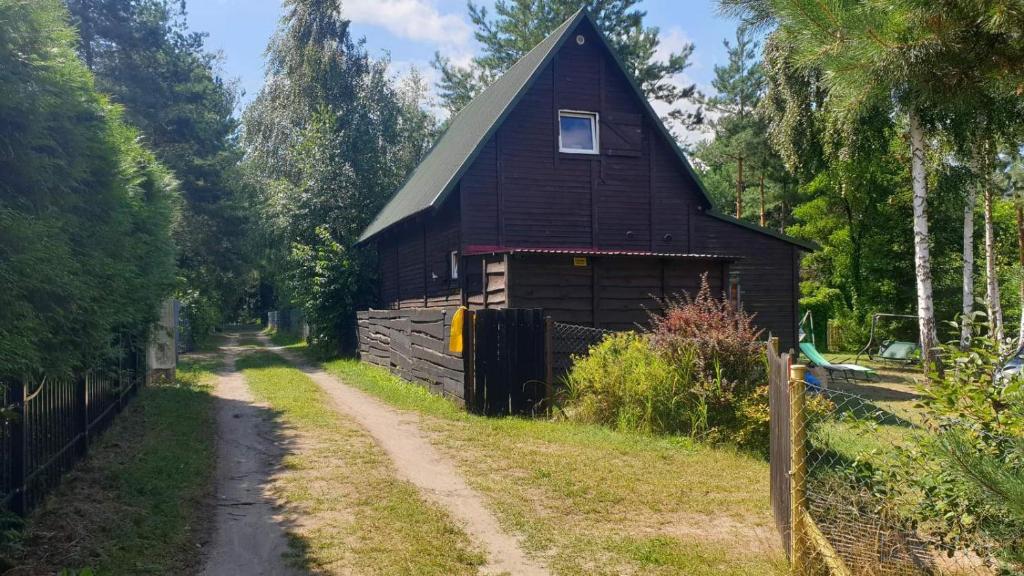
(414, 261)
(622, 290)
(767, 269)
(522, 192)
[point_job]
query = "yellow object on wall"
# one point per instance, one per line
(455, 340)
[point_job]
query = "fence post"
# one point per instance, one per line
(82, 398)
(19, 447)
(798, 469)
(549, 364)
(469, 359)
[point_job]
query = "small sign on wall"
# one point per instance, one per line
(580, 261)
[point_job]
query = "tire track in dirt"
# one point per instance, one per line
(417, 461)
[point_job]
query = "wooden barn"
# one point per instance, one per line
(558, 187)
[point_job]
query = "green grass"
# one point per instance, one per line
(348, 512)
(139, 503)
(285, 339)
(592, 501)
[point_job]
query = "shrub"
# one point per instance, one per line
(625, 384)
(723, 335)
(700, 371)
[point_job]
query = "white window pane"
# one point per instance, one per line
(577, 133)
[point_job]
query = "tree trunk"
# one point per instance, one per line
(968, 288)
(764, 221)
(739, 189)
(992, 300)
(922, 255)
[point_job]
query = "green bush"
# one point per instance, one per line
(625, 384)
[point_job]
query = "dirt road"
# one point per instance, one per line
(248, 535)
(417, 461)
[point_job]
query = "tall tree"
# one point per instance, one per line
(143, 55)
(519, 25)
(86, 253)
(330, 137)
(891, 55)
(740, 148)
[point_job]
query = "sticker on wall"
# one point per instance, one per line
(579, 261)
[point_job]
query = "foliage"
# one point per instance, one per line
(723, 336)
(143, 55)
(518, 26)
(700, 372)
(85, 211)
(740, 155)
(330, 137)
(623, 382)
(976, 491)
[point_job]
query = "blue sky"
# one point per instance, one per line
(412, 30)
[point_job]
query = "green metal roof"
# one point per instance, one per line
(467, 132)
(470, 129)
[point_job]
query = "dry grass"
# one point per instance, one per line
(596, 502)
(139, 503)
(346, 510)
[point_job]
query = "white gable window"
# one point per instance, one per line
(577, 132)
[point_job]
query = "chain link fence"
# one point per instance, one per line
(571, 340)
(871, 493)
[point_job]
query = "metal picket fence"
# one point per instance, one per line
(848, 515)
(47, 424)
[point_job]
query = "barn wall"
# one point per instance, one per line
(414, 262)
(413, 344)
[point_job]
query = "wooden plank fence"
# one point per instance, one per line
(509, 369)
(779, 438)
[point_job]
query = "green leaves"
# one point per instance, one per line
(85, 214)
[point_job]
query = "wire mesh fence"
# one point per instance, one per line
(871, 493)
(571, 340)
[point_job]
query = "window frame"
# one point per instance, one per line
(595, 123)
(453, 265)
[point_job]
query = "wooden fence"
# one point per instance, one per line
(779, 438)
(47, 425)
(508, 374)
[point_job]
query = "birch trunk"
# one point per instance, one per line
(992, 300)
(968, 289)
(922, 253)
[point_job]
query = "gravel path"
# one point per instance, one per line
(248, 534)
(417, 461)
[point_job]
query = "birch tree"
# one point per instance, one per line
(968, 271)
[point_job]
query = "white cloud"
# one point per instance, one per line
(416, 20)
(674, 40)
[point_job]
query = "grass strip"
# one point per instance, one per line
(598, 502)
(139, 503)
(348, 512)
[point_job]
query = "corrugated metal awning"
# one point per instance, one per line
(477, 250)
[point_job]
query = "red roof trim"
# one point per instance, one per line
(474, 250)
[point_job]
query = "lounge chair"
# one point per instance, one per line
(848, 372)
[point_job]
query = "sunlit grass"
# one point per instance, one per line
(350, 514)
(594, 501)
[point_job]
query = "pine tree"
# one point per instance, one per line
(926, 61)
(740, 153)
(519, 25)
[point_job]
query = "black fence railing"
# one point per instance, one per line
(47, 424)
